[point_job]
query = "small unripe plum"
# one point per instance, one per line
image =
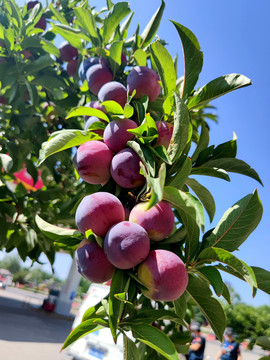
(41, 24)
(125, 169)
(165, 131)
(97, 76)
(85, 65)
(157, 221)
(164, 274)
(91, 120)
(3, 100)
(72, 67)
(92, 262)
(126, 245)
(67, 51)
(145, 81)
(116, 135)
(99, 212)
(92, 162)
(115, 91)
(31, 4)
(26, 53)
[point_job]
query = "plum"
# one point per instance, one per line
(116, 135)
(115, 91)
(165, 131)
(164, 274)
(85, 65)
(157, 221)
(3, 100)
(31, 4)
(99, 212)
(91, 120)
(92, 262)
(125, 169)
(97, 76)
(126, 245)
(67, 51)
(41, 24)
(145, 81)
(92, 162)
(72, 67)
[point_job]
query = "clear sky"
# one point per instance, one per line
(234, 37)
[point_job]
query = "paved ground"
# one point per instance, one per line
(28, 333)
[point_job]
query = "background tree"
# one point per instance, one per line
(11, 263)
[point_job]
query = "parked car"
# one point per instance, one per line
(98, 344)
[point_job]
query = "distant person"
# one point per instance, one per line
(197, 346)
(229, 348)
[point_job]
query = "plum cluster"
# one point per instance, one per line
(126, 244)
(127, 237)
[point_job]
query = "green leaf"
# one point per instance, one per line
(233, 165)
(226, 293)
(54, 232)
(156, 339)
(6, 162)
(157, 185)
(119, 283)
(214, 172)
(210, 307)
(113, 108)
(58, 15)
(215, 88)
(263, 279)
(140, 57)
(86, 20)
(82, 329)
(115, 56)
(193, 58)
(131, 351)
(224, 256)
(165, 67)
(204, 195)
(73, 36)
(84, 110)
(182, 130)
(264, 342)
(125, 25)
(145, 154)
(16, 13)
(203, 142)
(180, 178)
(128, 111)
(63, 140)
(214, 277)
(189, 216)
(152, 27)
(236, 224)
(149, 316)
(32, 170)
(41, 63)
(180, 305)
(49, 47)
(117, 13)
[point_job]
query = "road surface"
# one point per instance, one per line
(28, 333)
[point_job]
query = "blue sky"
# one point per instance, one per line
(234, 37)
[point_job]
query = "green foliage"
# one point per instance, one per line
(248, 322)
(42, 123)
